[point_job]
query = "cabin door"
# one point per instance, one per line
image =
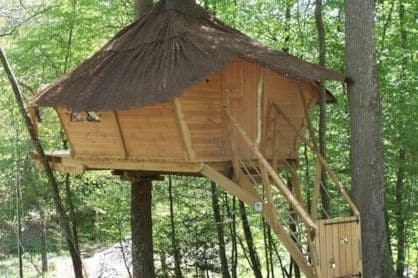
(339, 247)
(240, 86)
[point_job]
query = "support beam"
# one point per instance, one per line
(230, 186)
(269, 214)
(275, 140)
(288, 242)
(260, 95)
(121, 137)
(184, 130)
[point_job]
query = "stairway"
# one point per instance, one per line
(320, 247)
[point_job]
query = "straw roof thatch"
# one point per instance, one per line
(160, 55)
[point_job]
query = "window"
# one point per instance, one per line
(76, 117)
(84, 116)
(93, 117)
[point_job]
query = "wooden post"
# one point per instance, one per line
(275, 140)
(121, 137)
(260, 93)
(184, 130)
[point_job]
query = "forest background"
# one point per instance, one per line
(47, 38)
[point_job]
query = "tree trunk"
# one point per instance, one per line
(266, 250)
(141, 225)
(322, 103)
(141, 205)
(270, 244)
(287, 27)
(164, 266)
(18, 198)
(233, 235)
(366, 136)
(177, 259)
(220, 229)
(71, 208)
(400, 219)
(255, 263)
(64, 220)
(44, 243)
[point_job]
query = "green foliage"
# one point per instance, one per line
(50, 37)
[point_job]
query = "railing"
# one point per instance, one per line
(321, 165)
(284, 212)
(296, 224)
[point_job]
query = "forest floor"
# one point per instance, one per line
(105, 262)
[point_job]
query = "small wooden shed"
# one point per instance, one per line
(180, 92)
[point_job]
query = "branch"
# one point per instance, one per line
(23, 22)
(65, 221)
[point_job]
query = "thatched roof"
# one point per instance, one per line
(160, 55)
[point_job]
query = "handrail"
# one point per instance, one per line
(321, 159)
(280, 184)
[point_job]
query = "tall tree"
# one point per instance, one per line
(63, 217)
(322, 101)
(366, 136)
(255, 262)
(141, 206)
(176, 251)
(141, 226)
(400, 176)
(220, 229)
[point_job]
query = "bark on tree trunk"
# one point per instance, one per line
(400, 219)
(366, 136)
(141, 205)
(71, 208)
(293, 229)
(220, 229)
(233, 235)
(400, 185)
(177, 259)
(141, 225)
(64, 220)
(164, 266)
(255, 262)
(322, 103)
(44, 244)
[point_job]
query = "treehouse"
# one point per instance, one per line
(180, 92)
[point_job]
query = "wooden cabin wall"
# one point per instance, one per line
(151, 132)
(293, 98)
(202, 109)
(241, 80)
(154, 132)
(240, 96)
(92, 138)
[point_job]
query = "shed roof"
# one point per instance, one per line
(160, 55)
